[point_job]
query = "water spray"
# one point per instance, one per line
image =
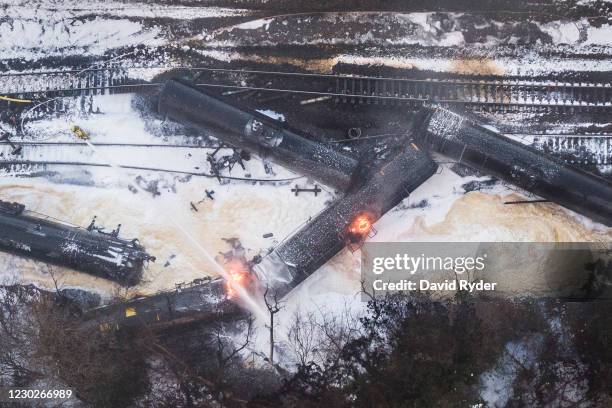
(243, 295)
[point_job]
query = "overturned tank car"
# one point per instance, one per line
(250, 130)
(462, 138)
(202, 301)
(91, 250)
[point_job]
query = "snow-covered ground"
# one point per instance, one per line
(425, 29)
(477, 43)
(32, 29)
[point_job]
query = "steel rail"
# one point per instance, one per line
(199, 174)
(183, 146)
(549, 104)
(500, 81)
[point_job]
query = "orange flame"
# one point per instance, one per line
(237, 276)
(361, 225)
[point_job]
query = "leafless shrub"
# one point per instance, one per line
(320, 336)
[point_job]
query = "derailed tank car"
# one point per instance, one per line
(258, 134)
(199, 302)
(92, 251)
(454, 135)
(347, 221)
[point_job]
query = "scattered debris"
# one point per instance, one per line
(149, 186)
(16, 149)
(228, 161)
(478, 185)
(268, 168)
(167, 263)
(424, 203)
(315, 100)
(297, 189)
(233, 242)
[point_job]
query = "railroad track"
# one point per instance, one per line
(595, 150)
(26, 168)
(188, 158)
(497, 94)
(36, 157)
(181, 159)
(474, 93)
(478, 94)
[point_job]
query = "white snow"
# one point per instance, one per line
(526, 63)
(562, 32)
(568, 32)
(255, 24)
(497, 382)
(32, 39)
(599, 35)
(32, 29)
(66, 9)
(272, 114)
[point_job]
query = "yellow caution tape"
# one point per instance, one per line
(6, 98)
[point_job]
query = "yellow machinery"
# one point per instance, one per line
(78, 132)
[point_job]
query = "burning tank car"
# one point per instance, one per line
(201, 301)
(88, 250)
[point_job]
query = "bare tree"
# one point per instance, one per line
(203, 364)
(17, 328)
(303, 337)
(317, 337)
(274, 306)
(226, 350)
